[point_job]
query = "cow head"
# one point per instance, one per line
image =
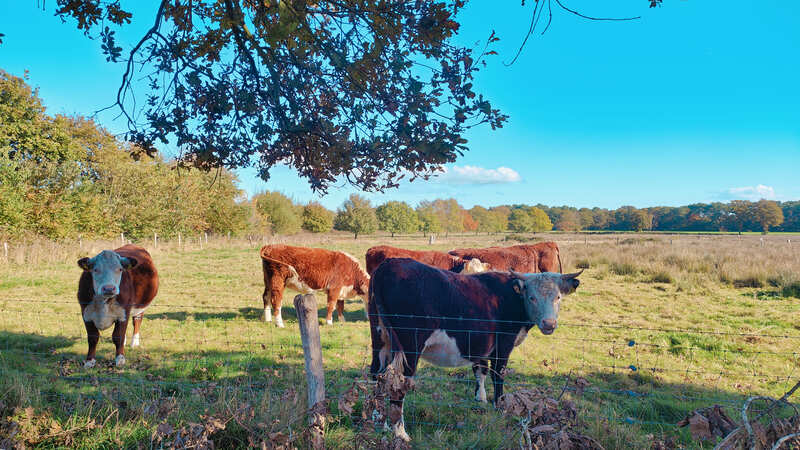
(361, 285)
(475, 265)
(106, 269)
(541, 294)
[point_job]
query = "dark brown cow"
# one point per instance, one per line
(306, 270)
(541, 257)
(115, 286)
(376, 255)
(418, 311)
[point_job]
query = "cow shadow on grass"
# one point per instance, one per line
(247, 313)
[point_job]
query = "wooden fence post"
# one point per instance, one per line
(122, 238)
(5, 251)
(306, 307)
(179, 240)
(206, 235)
(155, 240)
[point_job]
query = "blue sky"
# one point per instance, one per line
(696, 102)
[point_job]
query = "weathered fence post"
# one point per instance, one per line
(5, 250)
(431, 239)
(122, 238)
(155, 240)
(179, 240)
(306, 307)
(206, 235)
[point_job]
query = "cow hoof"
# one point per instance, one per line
(329, 321)
(120, 361)
(135, 341)
(89, 363)
(279, 323)
(400, 431)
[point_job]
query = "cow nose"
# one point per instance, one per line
(548, 325)
(109, 289)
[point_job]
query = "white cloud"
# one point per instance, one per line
(478, 175)
(752, 192)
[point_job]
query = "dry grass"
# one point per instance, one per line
(650, 302)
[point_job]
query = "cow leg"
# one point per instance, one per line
(480, 370)
(93, 335)
(137, 325)
(333, 295)
(396, 401)
(267, 299)
(340, 309)
(498, 365)
(118, 336)
(277, 302)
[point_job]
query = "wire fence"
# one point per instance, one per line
(202, 359)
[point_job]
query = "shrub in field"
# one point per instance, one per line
(356, 216)
(750, 281)
(317, 218)
(661, 276)
(791, 290)
(279, 210)
(582, 264)
(623, 268)
(397, 217)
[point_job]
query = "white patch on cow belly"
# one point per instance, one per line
(441, 350)
(523, 333)
(103, 313)
(296, 283)
(347, 292)
(137, 311)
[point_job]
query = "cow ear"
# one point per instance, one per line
(128, 263)
(518, 286)
(85, 264)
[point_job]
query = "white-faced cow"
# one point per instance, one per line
(115, 286)
(528, 258)
(376, 255)
(454, 320)
(310, 269)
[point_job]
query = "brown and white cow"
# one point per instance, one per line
(418, 311)
(115, 286)
(541, 257)
(376, 255)
(306, 270)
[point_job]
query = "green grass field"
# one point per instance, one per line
(657, 328)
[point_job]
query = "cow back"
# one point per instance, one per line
(500, 258)
(318, 268)
(376, 255)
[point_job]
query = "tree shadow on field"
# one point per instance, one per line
(33, 343)
(247, 313)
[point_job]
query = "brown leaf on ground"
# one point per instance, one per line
(706, 423)
(348, 399)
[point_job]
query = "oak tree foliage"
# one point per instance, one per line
(369, 90)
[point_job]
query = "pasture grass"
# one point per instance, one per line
(659, 326)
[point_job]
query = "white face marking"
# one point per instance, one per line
(475, 266)
(481, 394)
(441, 350)
(363, 272)
(103, 313)
(523, 333)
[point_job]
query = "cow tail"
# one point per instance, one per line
(558, 255)
(382, 319)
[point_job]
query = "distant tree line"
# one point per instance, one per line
(63, 176)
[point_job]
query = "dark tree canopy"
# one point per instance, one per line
(371, 91)
(367, 90)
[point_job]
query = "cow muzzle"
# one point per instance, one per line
(548, 326)
(108, 290)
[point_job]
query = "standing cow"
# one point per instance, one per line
(115, 286)
(541, 257)
(454, 320)
(376, 255)
(310, 269)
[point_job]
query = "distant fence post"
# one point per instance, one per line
(80, 242)
(431, 239)
(206, 236)
(179, 240)
(155, 240)
(5, 250)
(306, 307)
(122, 238)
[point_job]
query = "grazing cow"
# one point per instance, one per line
(115, 286)
(541, 257)
(376, 255)
(306, 270)
(454, 320)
